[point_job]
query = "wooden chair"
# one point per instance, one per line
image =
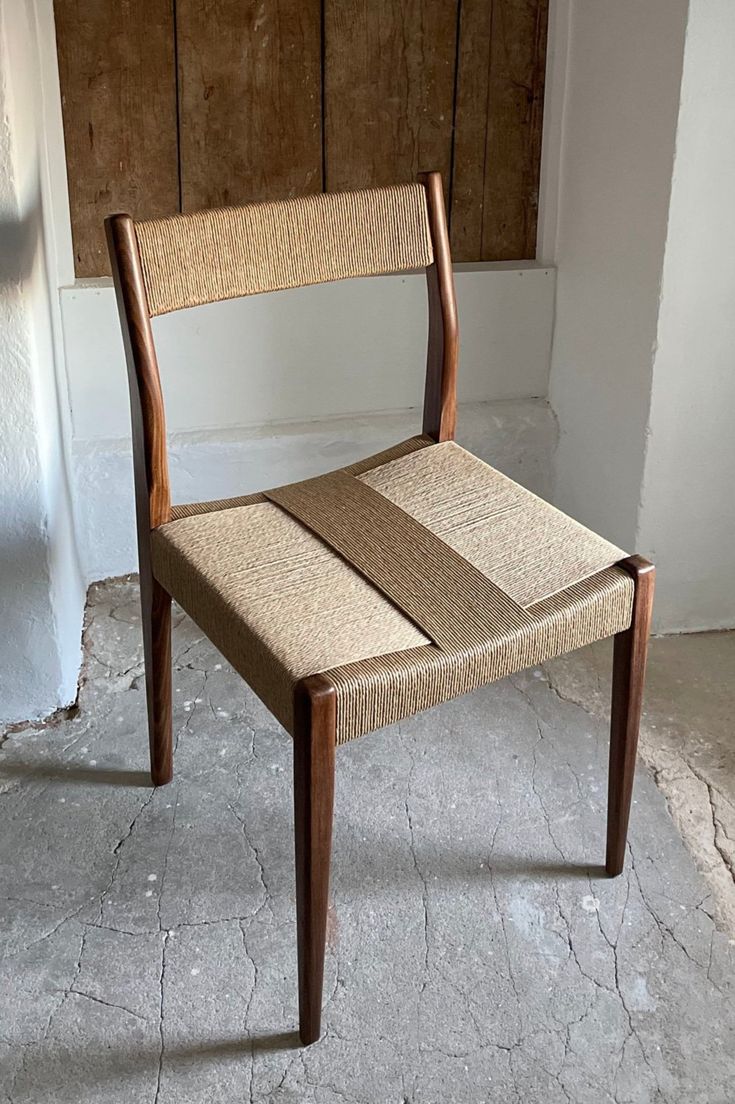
(357, 598)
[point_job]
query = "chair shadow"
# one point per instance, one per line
(550, 870)
(258, 1044)
(98, 1066)
(450, 867)
(59, 772)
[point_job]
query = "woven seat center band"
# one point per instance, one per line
(453, 603)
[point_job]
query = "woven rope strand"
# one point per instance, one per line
(440, 591)
(387, 688)
(281, 604)
(227, 252)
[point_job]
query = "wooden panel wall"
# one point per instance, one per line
(250, 100)
(388, 89)
(499, 112)
(118, 86)
(181, 104)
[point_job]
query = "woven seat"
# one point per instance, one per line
(359, 597)
(281, 604)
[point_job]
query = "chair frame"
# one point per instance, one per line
(315, 698)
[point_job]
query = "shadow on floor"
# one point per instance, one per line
(100, 1064)
(58, 772)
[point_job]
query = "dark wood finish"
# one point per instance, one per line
(315, 734)
(629, 672)
(388, 89)
(155, 604)
(440, 394)
(152, 492)
(498, 123)
(250, 96)
(118, 85)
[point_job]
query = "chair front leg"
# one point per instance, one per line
(155, 605)
(315, 733)
(629, 671)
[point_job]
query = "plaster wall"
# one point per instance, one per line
(351, 347)
(687, 517)
(41, 589)
(615, 117)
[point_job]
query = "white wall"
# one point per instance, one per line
(615, 115)
(639, 208)
(352, 347)
(41, 592)
(687, 519)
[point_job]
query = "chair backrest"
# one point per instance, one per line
(227, 252)
(162, 265)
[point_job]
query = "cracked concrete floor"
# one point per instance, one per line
(476, 952)
(687, 740)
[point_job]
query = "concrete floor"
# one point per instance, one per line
(476, 952)
(687, 740)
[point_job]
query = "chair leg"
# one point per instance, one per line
(314, 753)
(156, 614)
(629, 670)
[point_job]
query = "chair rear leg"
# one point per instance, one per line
(156, 614)
(314, 754)
(629, 670)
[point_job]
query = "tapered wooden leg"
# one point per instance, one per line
(629, 671)
(314, 753)
(156, 613)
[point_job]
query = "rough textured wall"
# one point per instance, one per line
(41, 596)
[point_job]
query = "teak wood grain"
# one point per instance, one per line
(630, 650)
(118, 86)
(440, 393)
(152, 489)
(315, 740)
(250, 100)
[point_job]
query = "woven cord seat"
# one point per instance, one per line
(359, 597)
(281, 604)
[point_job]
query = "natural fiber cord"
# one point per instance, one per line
(404, 560)
(227, 252)
(460, 576)
(386, 688)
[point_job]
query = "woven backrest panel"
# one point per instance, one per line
(232, 251)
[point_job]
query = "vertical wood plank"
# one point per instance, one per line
(250, 109)
(388, 86)
(470, 136)
(502, 59)
(515, 113)
(118, 91)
